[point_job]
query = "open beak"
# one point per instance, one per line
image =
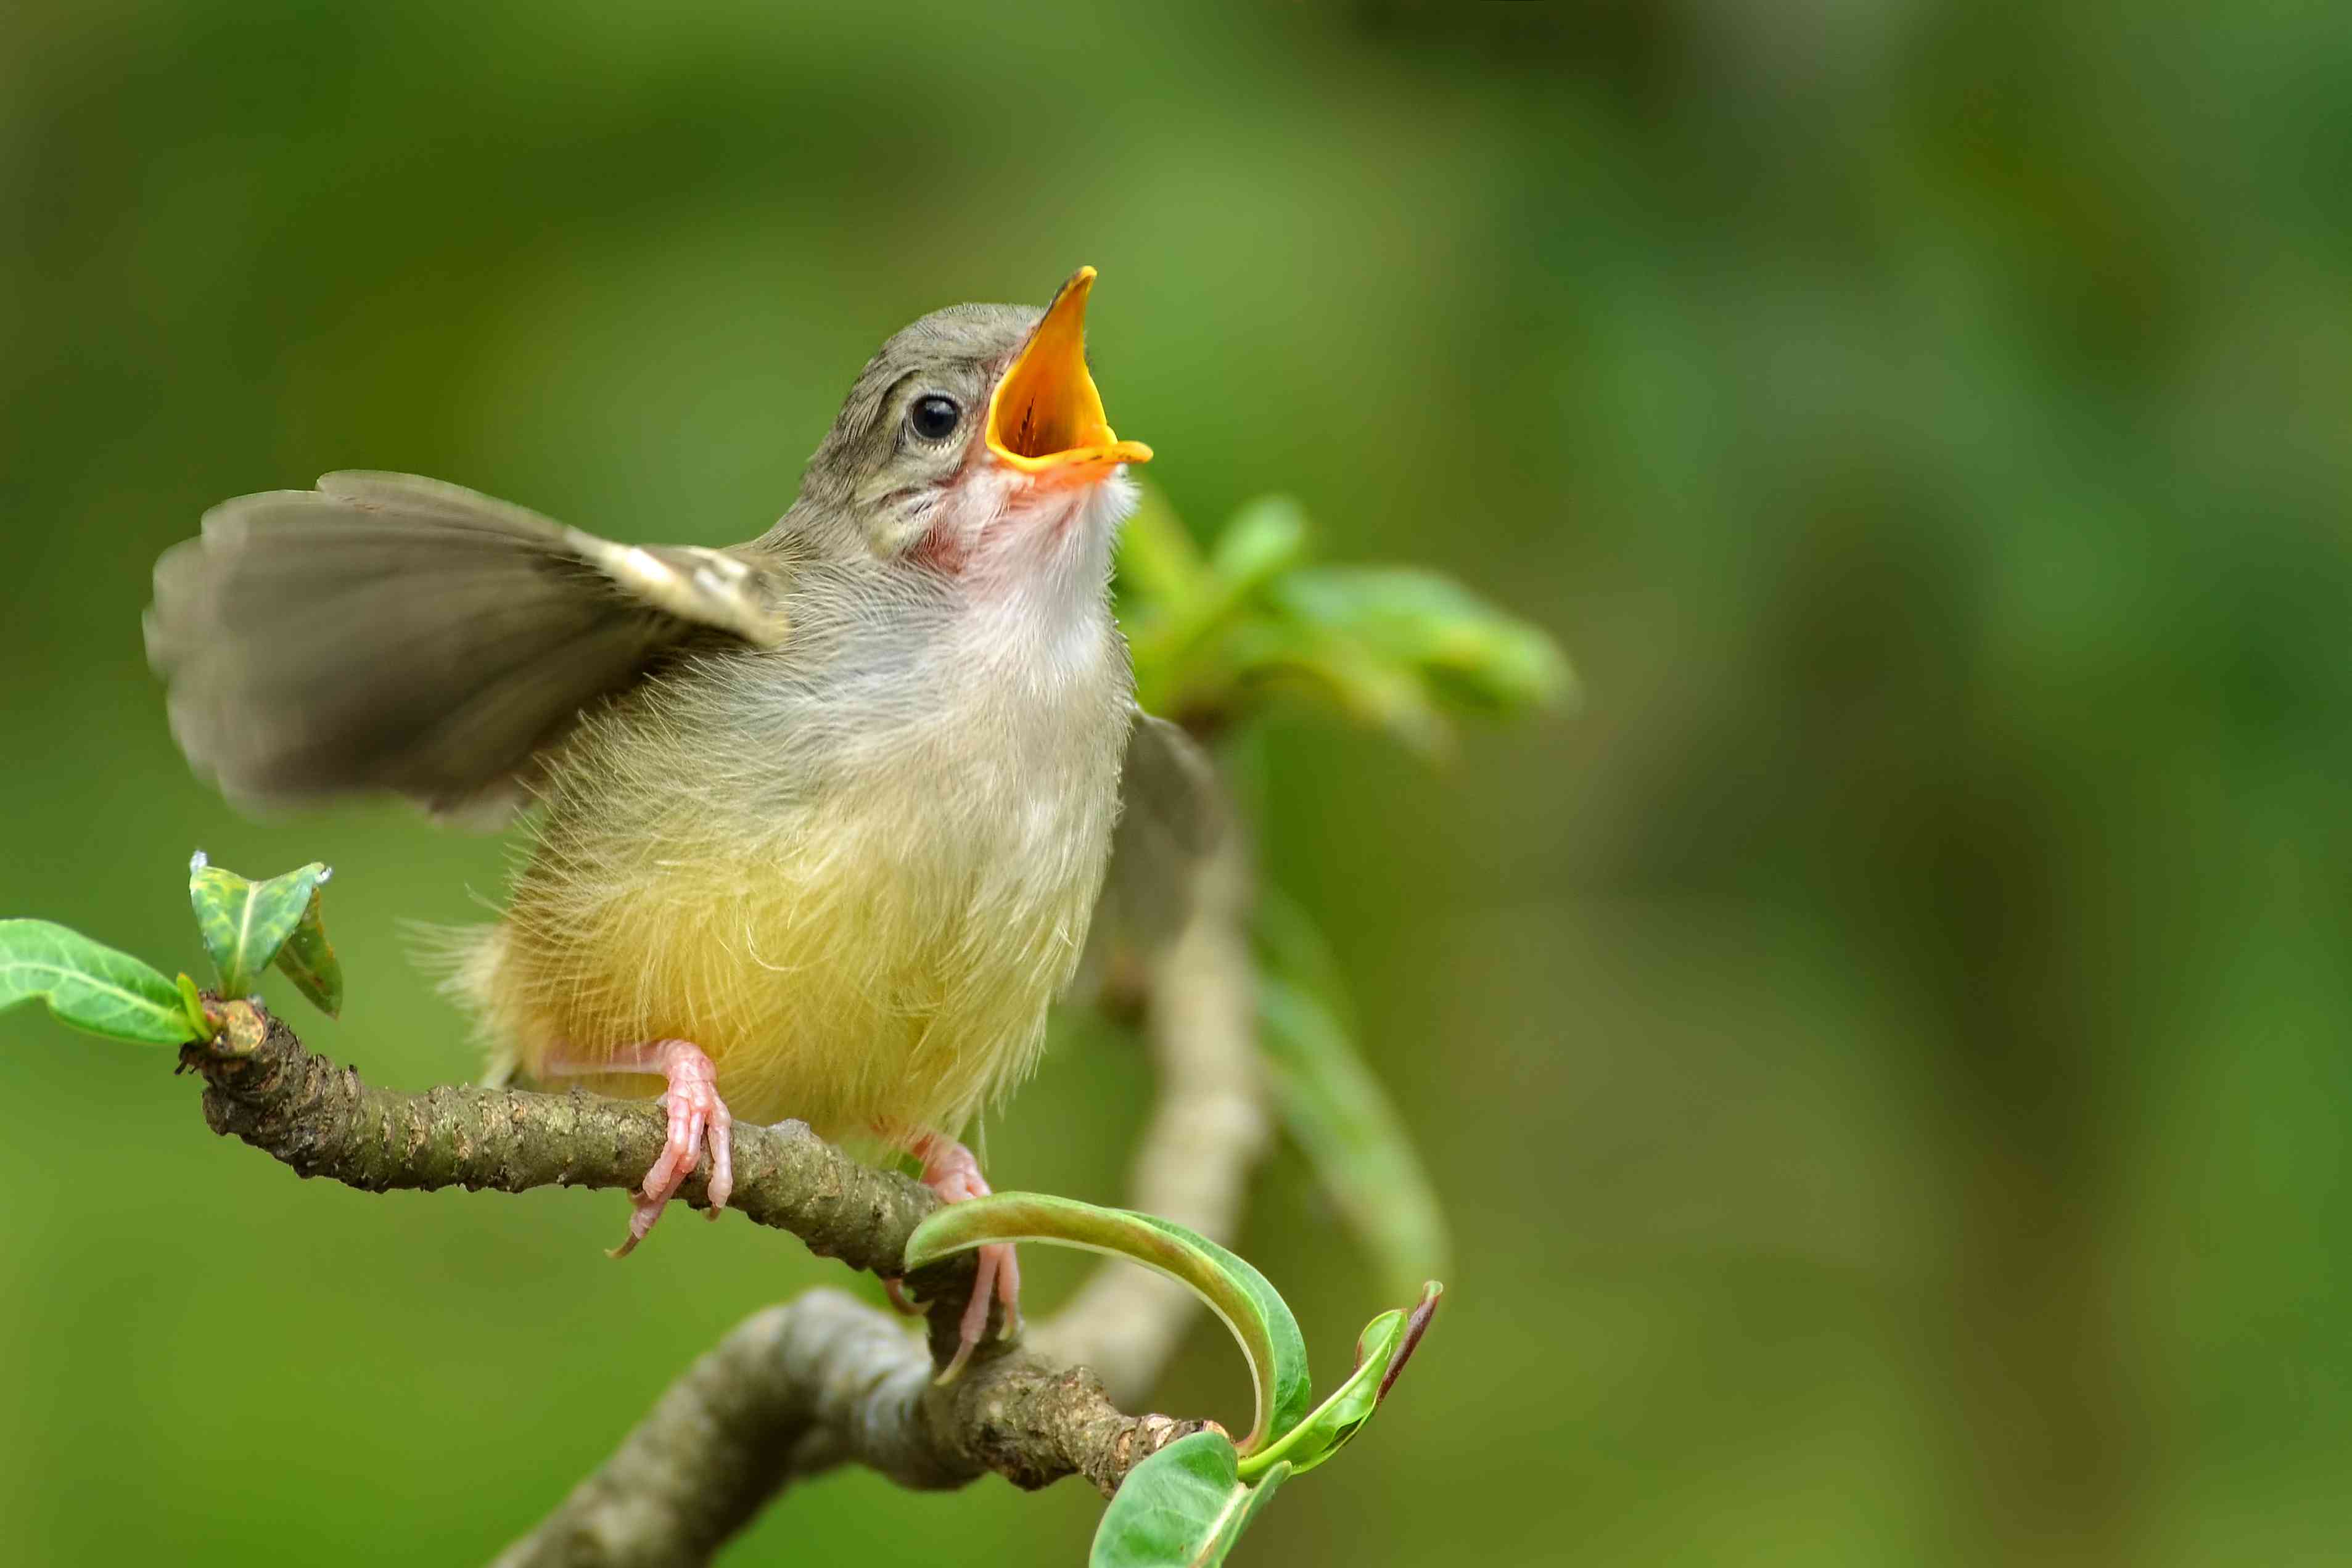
(1044, 418)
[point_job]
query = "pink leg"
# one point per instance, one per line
(949, 1170)
(696, 1113)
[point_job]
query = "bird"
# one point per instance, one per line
(814, 825)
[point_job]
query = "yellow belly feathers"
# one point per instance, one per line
(872, 958)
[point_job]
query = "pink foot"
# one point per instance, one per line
(697, 1114)
(949, 1170)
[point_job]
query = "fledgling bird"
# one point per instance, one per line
(821, 817)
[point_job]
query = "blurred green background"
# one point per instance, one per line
(1885, 1058)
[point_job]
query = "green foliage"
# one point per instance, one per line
(92, 987)
(1189, 1503)
(308, 958)
(1387, 1342)
(1466, 654)
(1334, 1107)
(247, 924)
(192, 1002)
(1401, 649)
(1186, 1504)
(1405, 650)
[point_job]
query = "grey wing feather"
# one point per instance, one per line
(1171, 816)
(391, 633)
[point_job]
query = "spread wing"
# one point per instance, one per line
(1173, 814)
(389, 632)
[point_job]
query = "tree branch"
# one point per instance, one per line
(321, 1120)
(713, 1450)
(799, 1388)
(1010, 1413)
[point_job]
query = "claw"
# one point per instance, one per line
(697, 1116)
(1008, 1290)
(949, 1170)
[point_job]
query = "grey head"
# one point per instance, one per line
(980, 408)
(946, 363)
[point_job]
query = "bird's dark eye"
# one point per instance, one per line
(933, 417)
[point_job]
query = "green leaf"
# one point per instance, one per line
(1387, 1342)
(243, 923)
(1335, 1108)
(1472, 655)
(90, 986)
(1330, 1424)
(1176, 645)
(1340, 1117)
(1265, 538)
(1259, 1321)
(191, 1005)
(1185, 1507)
(1398, 648)
(1345, 671)
(1290, 944)
(308, 958)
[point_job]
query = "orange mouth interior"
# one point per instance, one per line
(1044, 414)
